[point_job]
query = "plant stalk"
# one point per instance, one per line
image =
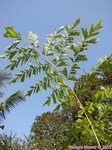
(81, 106)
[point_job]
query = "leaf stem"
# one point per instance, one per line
(81, 106)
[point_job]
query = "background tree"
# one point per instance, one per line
(8, 142)
(49, 131)
(12, 101)
(12, 142)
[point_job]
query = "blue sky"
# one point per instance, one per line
(43, 17)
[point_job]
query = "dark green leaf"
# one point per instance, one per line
(13, 45)
(58, 47)
(74, 33)
(72, 78)
(98, 26)
(65, 72)
(85, 32)
(70, 39)
(62, 63)
(92, 41)
(81, 58)
(29, 93)
(12, 54)
(48, 101)
(75, 23)
(93, 34)
(37, 88)
(36, 56)
(54, 98)
(13, 65)
(23, 78)
(92, 29)
(57, 108)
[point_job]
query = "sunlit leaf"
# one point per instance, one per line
(76, 23)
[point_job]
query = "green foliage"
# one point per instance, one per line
(57, 64)
(95, 92)
(9, 142)
(12, 142)
(11, 102)
(58, 60)
(11, 33)
(49, 131)
(76, 128)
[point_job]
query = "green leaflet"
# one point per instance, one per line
(80, 58)
(92, 41)
(48, 101)
(62, 63)
(76, 23)
(57, 108)
(74, 33)
(11, 33)
(60, 29)
(65, 72)
(85, 32)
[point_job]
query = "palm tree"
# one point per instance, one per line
(12, 101)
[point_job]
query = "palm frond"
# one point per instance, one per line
(4, 79)
(10, 103)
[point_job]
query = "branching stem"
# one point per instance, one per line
(81, 106)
